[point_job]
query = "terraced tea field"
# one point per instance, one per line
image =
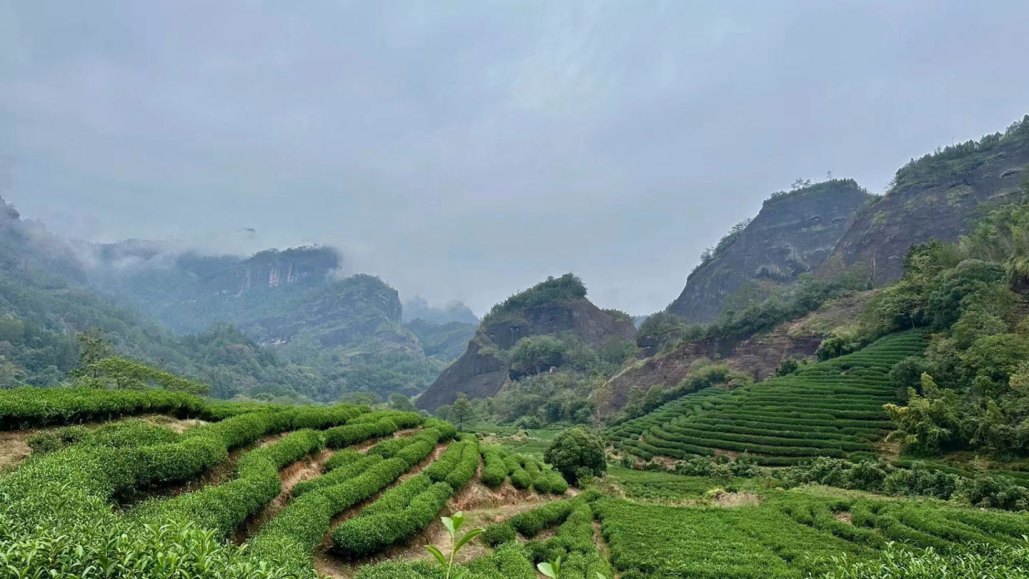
(832, 409)
(240, 490)
(796, 534)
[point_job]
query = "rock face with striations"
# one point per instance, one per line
(936, 197)
(792, 234)
(556, 306)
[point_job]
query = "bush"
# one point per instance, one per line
(576, 449)
(494, 470)
(531, 523)
(498, 533)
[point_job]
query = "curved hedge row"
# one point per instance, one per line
(369, 534)
(507, 562)
(22, 408)
(832, 408)
(494, 469)
(222, 508)
(457, 465)
(406, 509)
(55, 509)
(290, 538)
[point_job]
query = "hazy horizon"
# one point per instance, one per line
(466, 150)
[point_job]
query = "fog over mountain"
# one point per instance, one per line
(464, 152)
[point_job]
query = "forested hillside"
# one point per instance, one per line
(545, 346)
(275, 325)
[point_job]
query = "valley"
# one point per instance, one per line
(840, 390)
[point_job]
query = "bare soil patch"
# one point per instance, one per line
(844, 517)
(14, 448)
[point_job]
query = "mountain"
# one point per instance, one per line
(555, 307)
(792, 234)
(280, 324)
(937, 196)
(419, 309)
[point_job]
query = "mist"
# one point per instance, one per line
(465, 150)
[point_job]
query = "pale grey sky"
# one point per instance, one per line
(467, 149)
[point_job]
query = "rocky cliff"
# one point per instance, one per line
(935, 197)
(554, 307)
(792, 234)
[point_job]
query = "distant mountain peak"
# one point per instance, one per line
(792, 234)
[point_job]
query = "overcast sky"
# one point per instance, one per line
(465, 150)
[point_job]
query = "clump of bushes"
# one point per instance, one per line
(982, 490)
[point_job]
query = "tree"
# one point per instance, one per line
(536, 354)
(93, 347)
(398, 401)
(576, 453)
(462, 410)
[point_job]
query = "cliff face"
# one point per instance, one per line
(591, 324)
(758, 355)
(792, 234)
(272, 269)
(345, 313)
(551, 308)
(479, 373)
(936, 197)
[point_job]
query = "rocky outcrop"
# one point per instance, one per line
(274, 268)
(345, 313)
(479, 373)
(758, 355)
(792, 234)
(936, 197)
(553, 307)
(591, 324)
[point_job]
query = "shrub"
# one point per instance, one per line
(576, 449)
(498, 533)
(494, 470)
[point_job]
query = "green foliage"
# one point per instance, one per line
(34, 407)
(663, 331)
(727, 240)
(564, 288)
(831, 408)
(457, 540)
(948, 163)
(401, 513)
(536, 354)
(788, 366)
(462, 411)
(494, 470)
(576, 449)
(791, 534)
(704, 376)
(1007, 562)
(790, 302)
(122, 373)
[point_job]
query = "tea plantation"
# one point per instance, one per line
(832, 408)
(159, 484)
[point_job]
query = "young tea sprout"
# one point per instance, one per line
(453, 525)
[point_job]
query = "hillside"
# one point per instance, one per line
(556, 307)
(792, 234)
(279, 324)
(757, 355)
(832, 408)
(161, 485)
(938, 196)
